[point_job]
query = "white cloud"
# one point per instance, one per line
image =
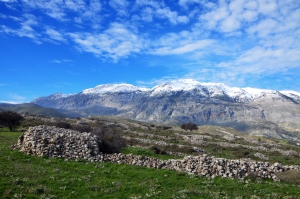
(230, 24)
(115, 42)
(151, 9)
(120, 6)
(264, 60)
(59, 10)
(55, 35)
(187, 48)
(249, 15)
(154, 4)
(251, 5)
(236, 6)
(264, 28)
(11, 102)
(147, 14)
(8, 1)
(61, 61)
(267, 6)
(172, 16)
(212, 18)
(27, 24)
(15, 99)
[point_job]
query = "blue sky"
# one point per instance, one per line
(49, 46)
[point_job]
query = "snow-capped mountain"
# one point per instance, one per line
(183, 85)
(184, 100)
(209, 90)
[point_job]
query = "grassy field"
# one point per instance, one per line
(23, 176)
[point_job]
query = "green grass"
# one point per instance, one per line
(23, 176)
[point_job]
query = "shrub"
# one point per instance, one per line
(33, 122)
(64, 125)
(110, 140)
(157, 150)
(189, 126)
(172, 148)
(81, 128)
(163, 127)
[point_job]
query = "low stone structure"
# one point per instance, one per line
(68, 144)
(51, 141)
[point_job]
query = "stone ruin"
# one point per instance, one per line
(56, 142)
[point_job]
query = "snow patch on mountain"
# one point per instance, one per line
(113, 88)
(214, 89)
(292, 94)
(175, 85)
(60, 95)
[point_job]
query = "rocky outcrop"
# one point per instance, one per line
(67, 144)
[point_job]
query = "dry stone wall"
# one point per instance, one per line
(68, 144)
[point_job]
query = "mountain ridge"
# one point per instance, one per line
(187, 100)
(181, 85)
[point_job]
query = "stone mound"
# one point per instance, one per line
(50, 141)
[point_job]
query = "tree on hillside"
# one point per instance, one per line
(10, 119)
(189, 126)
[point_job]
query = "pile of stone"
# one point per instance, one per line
(50, 141)
(68, 144)
(204, 165)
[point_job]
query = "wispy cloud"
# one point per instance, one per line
(55, 35)
(120, 6)
(27, 25)
(15, 99)
(61, 61)
(116, 42)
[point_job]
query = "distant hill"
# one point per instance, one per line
(36, 110)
